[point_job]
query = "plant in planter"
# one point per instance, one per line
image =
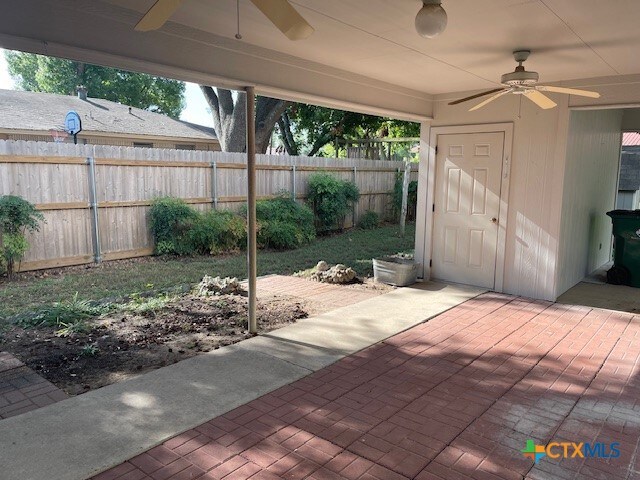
(17, 216)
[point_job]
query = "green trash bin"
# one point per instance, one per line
(626, 257)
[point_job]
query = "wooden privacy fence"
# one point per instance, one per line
(96, 198)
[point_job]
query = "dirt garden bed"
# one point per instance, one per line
(149, 332)
(108, 349)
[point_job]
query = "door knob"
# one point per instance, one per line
(494, 220)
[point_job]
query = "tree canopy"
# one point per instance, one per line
(39, 73)
(309, 129)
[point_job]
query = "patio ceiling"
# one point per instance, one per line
(364, 55)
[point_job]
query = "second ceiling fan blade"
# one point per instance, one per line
(158, 15)
(285, 18)
(540, 99)
(569, 91)
(477, 95)
(490, 99)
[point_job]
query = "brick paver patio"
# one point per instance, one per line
(454, 398)
(330, 296)
(22, 389)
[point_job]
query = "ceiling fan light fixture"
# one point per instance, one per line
(431, 20)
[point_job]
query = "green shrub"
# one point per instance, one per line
(17, 216)
(170, 219)
(216, 232)
(69, 314)
(369, 220)
(283, 223)
(331, 198)
(412, 198)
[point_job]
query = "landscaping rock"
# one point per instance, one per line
(339, 274)
(219, 286)
(322, 266)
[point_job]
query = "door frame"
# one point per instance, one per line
(507, 129)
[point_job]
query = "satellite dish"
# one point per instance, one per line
(73, 124)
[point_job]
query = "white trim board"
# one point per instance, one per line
(426, 187)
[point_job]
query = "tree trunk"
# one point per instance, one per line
(230, 122)
(268, 111)
(290, 145)
(229, 117)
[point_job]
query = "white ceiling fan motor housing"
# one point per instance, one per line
(520, 77)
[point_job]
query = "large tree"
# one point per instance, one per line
(55, 75)
(308, 129)
(303, 129)
(230, 121)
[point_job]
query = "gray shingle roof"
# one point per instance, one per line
(21, 110)
(629, 171)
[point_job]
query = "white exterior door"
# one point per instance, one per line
(467, 207)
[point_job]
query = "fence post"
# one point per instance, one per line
(405, 194)
(93, 204)
(357, 203)
(214, 183)
(294, 193)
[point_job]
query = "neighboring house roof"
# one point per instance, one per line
(45, 111)
(630, 138)
(630, 172)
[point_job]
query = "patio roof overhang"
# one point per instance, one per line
(365, 55)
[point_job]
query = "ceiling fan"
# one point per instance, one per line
(280, 12)
(522, 82)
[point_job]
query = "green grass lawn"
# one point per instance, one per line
(118, 279)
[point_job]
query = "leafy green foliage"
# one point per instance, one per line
(369, 220)
(412, 197)
(68, 314)
(38, 73)
(283, 223)
(170, 219)
(147, 305)
(331, 198)
(90, 350)
(16, 217)
(311, 130)
(14, 246)
(72, 327)
(216, 232)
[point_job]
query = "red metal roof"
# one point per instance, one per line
(630, 138)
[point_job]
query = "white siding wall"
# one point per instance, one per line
(590, 182)
(627, 200)
(536, 171)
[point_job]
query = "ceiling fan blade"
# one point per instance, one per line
(569, 91)
(158, 15)
(477, 95)
(490, 99)
(285, 18)
(540, 99)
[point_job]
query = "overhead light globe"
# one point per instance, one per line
(431, 19)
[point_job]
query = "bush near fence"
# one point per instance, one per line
(96, 198)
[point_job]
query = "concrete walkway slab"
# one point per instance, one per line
(84, 435)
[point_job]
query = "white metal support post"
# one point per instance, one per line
(251, 208)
